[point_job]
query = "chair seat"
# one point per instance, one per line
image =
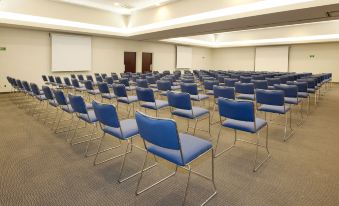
(128, 127)
(245, 126)
(175, 87)
(246, 96)
(67, 108)
(271, 87)
(155, 89)
(108, 96)
(197, 112)
(199, 97)
(151, 105)
(310, 90)
(128, 100)
(53, 102)
(191, 146)
(163, 93)
(303, 94)
(94, 92)
(209, 92)
(292, 100)
(153, 86)
(274, 108)
(90, 117)
(80, 89)
(130, 88)
(41, 97)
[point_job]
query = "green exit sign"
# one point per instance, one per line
(2, 48)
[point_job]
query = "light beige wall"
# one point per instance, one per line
(241, 58)
(326, 58)
(28, 55)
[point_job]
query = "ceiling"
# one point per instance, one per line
(118, 6)
(219, 23)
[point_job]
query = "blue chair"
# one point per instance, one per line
(65, 107)
(271, 82)
(90, 88)
(302, 92)
(181, 106)
(38, 95)
(161, 138)
(125, 81)
(122, 97)
(147, 100)
(164, 87)
(292, 98)
(144, 84)
(51, 103)
(51, 80)
(273, 101)
(124, 130)
(224, 92)
(208, 86)
(68, 84)
(44, 78)
(245, 91)
(240, 116)
(86, 115)
(77, 86)
(105, 92)
(192, 90)
(260, 84)
(81, 78)
(151, 81)
(59, 82)
(245, 79)
(230, 82)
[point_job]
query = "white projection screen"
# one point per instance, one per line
(71, 52)
(272, 59)
(184, 57)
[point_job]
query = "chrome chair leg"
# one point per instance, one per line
(257, 166)
(225, 150)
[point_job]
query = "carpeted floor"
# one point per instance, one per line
(38, 167)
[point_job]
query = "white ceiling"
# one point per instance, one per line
(118, 6)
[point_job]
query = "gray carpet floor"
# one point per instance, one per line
(38, 167)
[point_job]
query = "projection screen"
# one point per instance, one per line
(274, 59)
(71, 52)
(184, 57)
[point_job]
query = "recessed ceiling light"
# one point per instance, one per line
(116, 4)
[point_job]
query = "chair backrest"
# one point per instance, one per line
(88, 85)
(302, 86)
(58, 80)
(103, 88)
(19, 83)
(225, 92)
(190, 88)
(237, 110)
(67, 81)
(44, 77)
(51, 79)
(75, 83)
(35, 89)
(290, 90)
(124, 81)
(73, 76)
(115, 76)
(106, 114)
(186, 80)
(145, 94)
(245, 79)
(104, 75)
(179, 100)
(99, 78)
(260, 84)
(89, 77)
(109, 80)
(273, 81)
(208, 84)
(47, 92)
(78, 104)
(26, 86)
(60, 97)
(230, 82)
(159, 132)
(80, 77)
(164, 85)
(151, 80)
(270, 97)
(142, 83)
(244, 88)
(119, 90)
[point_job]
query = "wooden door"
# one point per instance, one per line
(147, 62)
(130, 59)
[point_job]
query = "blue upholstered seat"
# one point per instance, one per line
(245, 125)
(108, 96)
(94, 92)
(41, 97)
(199, 97)
(128, 127)
(128, 100)
(310, 90)
(291, 100)
(191, 146)
(303, 94)
(53, 102)
(90, 117)
(175, 87)
(151, 105)
(274, 108)
(197, 112)
(67, 108)
(246, 96)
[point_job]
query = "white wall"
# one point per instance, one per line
(28, 55)
(241, 58)
(326, 58)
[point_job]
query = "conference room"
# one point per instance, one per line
(169, 102)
